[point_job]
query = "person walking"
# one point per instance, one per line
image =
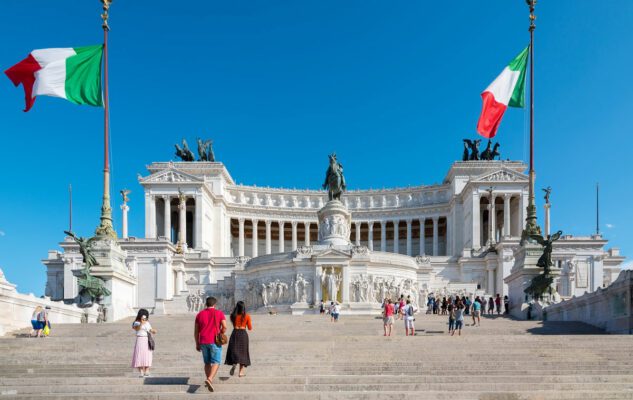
(409, 311)
(209, 323)
(322, 308)
(38, 321)
(498, 303)
(444, 305)
(237, 352)
(451, 319)
(506, 305)
(336, 310)
(459, 318)
(477, 311)
(388, 316)
(330, 311)
(143, 347)
(491, 306)
(467, 304)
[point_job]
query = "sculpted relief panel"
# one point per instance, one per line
(366, 288)
(264, 293)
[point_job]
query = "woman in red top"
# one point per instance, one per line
(237, 352)
(388, 316)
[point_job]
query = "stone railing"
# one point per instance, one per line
(16, 309)
(609, 308)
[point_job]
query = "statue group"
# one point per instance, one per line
(542, 283)
(92, 288)
(490, 153)
(205, 151)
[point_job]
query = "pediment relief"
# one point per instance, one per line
(332, 253)
(502, 175)
(170, 176)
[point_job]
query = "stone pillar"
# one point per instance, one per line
(197, 223)
(167, 228)
(241, 237)
(547, 207)
(383, 235)
(422, 236)
(491, 281)
(449, 235)
(396, 237)
(409, 238)
(506, 214)
(268, 237)
(492, 217)
(281, 236)
(435, 236)
(124, 208)
(182, 222)
(370, 235)
(307, 235)
(254, 241)
(357, 224)
(152, 217)
(345, 285)
(294, 235)
(476, 237)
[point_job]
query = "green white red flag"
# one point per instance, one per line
(508, 90)
(73, 74)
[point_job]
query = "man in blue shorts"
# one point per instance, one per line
(209, 322)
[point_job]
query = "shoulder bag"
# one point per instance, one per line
(150, 341)
(220, 338)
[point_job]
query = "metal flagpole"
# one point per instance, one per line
(70, 207)
(531, 226)
(597, 208)
(105, 228)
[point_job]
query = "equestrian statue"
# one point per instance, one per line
(334, 179)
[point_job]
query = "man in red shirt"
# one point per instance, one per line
(209, 322)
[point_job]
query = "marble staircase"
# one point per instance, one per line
(309, 357)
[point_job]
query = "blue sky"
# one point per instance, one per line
(392, 87)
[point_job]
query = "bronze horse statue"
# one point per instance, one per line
(334, 179)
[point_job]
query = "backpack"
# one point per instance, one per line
(410, 310)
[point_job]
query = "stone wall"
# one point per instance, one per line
(16, 309)
(609, 308)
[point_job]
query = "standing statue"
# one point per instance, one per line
(334, 179)
(124, 194)
(474, 148)
(548, 192)
(465, 155)
(205, 150)
(90, 286)
(185, 154)
(542, 283)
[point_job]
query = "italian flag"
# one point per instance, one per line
(508, 90)
(73, 74)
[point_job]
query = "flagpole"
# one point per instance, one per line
(105, 228)
(531, 225)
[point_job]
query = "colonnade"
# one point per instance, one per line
(485, 225)
(160, 223)
(363, 233)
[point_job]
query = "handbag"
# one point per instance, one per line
(220, 338)
(150, 341)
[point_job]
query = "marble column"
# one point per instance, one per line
(293, 224)
(506, 214)
(370, 235)
(182, 222)
(357, 225)
(435, 236)
(307, 235)
(124, 208)
(197, 223)
(254, 241)
(152, 217)
(383, 235)
(476, 237)
(281, 236)
(547, 207)
(345, 285)
(422, 236)
(240, 239)
(167, 228)
(409, 238)
(180, 281)
(449, 235)
(493, 220)
(268, 237)
(396, 236)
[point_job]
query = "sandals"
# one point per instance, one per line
(232, 371)
(208, 385)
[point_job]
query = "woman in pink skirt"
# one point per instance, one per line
(142, 357)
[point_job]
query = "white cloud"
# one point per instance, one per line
(610, 226)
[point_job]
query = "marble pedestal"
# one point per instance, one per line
(521, 275)
(335, 224)
(118, 279)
